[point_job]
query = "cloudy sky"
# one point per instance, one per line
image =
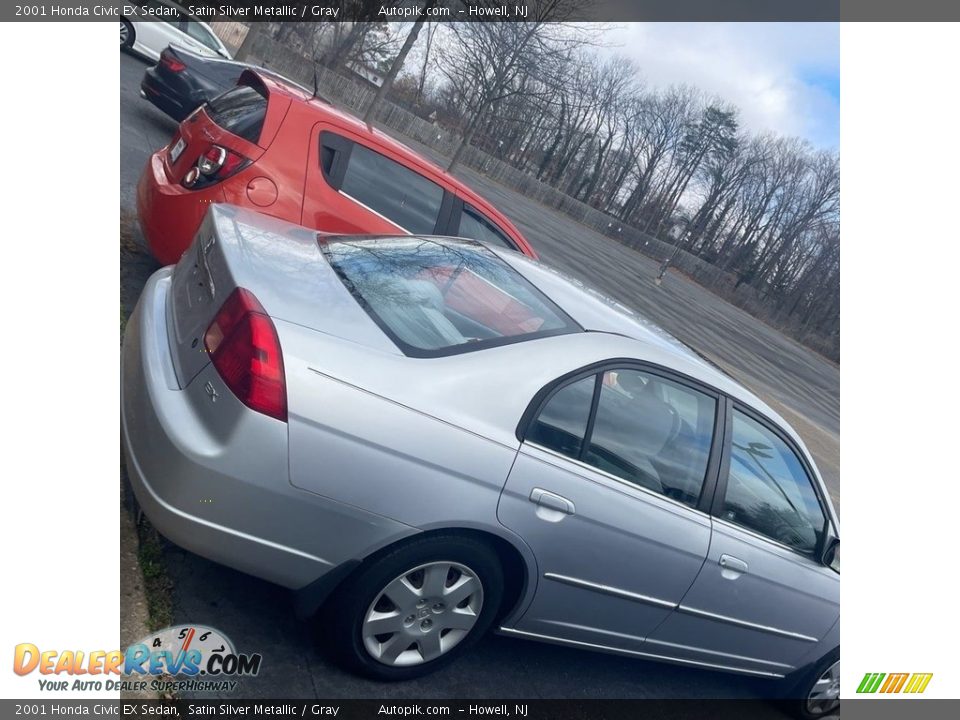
(784, 77)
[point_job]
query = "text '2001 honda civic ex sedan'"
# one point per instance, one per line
(427, 437)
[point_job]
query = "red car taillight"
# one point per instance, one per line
(213, 166)
(171, 63)
(245, 350)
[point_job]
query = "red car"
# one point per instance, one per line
(271, 146)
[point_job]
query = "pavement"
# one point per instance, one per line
(258, 616)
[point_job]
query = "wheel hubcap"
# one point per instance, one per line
(422, 614)
(824, 696)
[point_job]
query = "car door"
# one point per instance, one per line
(763, 598)
(608, 490)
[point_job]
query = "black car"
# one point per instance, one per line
(183, 81)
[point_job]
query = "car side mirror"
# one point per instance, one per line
(831, 556)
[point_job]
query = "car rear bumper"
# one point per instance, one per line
(169, 213)
(224, 493)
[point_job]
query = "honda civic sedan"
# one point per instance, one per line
(428, 438)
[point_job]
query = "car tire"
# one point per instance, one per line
(433, 598)
(127, 35)
(809, 697)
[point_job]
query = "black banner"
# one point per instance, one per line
(372, 709)
(853, 709)
(248, 11)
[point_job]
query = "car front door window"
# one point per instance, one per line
(768, 489)
(475, 226)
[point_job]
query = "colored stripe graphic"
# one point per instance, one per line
(918, 682)
(870, 682)
(894, 682)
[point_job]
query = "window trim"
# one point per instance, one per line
(716, 508)
(708, 489)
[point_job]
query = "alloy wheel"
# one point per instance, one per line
(124, 33)
(422, 614)
(824, 696)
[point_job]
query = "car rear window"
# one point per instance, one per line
(435, 298)
(240, 110)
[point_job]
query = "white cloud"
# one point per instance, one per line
(784, 77)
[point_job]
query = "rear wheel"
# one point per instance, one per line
(416, 608)
(817, 694)
(127, 35)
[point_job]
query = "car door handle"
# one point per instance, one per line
(729, 562)
(552, 501)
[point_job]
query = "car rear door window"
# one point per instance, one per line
(474, 225)
(653, 433)
(562, 423)
(768, 489)
(399, 194)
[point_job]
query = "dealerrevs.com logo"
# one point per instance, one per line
(894, 683)
(179, 658)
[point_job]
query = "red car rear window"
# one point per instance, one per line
(240, 110)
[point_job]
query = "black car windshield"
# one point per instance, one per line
(440, 297)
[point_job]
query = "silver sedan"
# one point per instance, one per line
(428, 437)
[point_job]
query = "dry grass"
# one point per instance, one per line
(128, 233)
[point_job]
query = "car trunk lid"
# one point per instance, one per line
(201, 283)
(278, 261)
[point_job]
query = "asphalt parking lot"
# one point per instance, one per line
(258, 617)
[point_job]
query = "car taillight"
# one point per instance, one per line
(245, 350)
(213, 166)
(171, 63)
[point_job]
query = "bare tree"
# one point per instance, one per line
(673, 163)
(431, 31)
(484, 61)
(397, 63)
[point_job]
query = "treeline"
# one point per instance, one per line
(675, 163)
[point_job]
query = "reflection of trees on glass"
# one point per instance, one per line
(757, 451)
(768, 490)
(431, 295)
(768, 520)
